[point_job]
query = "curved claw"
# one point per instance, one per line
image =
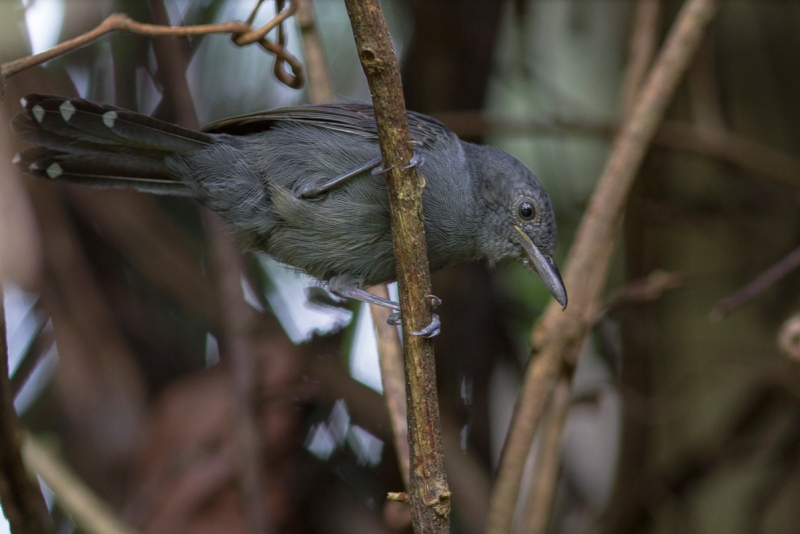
(432, 330)
(433, 301)
(416, 161)
(394, 318)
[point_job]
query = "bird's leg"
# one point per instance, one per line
(316, 190)
(432, 329)
(346, 288)
(374, 165)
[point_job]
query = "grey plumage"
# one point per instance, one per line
(252, 171)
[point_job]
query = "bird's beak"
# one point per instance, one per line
(546, 268)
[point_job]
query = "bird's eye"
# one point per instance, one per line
(526, 210)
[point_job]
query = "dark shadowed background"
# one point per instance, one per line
(683, 420)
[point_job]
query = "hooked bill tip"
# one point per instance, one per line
(545, 267)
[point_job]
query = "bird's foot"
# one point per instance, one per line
(345, 287)
(416, 161)
(432, 330)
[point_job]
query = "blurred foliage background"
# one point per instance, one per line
(679, 423)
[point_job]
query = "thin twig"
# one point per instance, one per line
(242, 34)
(646, 289)
(394, 385)
(20, 495)
(760, 284)
(548, 461)
(430, 496)
(88, 510)
(559, 335)
(172, 56)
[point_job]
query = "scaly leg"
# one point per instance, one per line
(316, 190)
(374, 165)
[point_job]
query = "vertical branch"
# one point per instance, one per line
(644, 36)
(391, 358)
(319, 81)
(245, 366)
(545, 482)
(559, 335)
(20, 496)
(172, 56)
(430, 496)
(389, 349)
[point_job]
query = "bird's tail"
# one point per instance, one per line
(87, 143)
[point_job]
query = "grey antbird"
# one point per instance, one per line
(304, 185)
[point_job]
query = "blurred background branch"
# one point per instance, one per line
(558, 337)
(242, 34)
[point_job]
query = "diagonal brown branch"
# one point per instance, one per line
(559, 335)
(758, 285)
(87, 509)
(643, 44)
(430, 496)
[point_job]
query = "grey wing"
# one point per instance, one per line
(352, 118)
(345, 231)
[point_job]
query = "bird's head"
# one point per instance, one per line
(518, 222)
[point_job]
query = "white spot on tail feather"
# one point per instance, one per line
(24, 102)
(33, 167)
(67, 110)
(17, 158)
(54, 170)
(109, 118)
(38, 113)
